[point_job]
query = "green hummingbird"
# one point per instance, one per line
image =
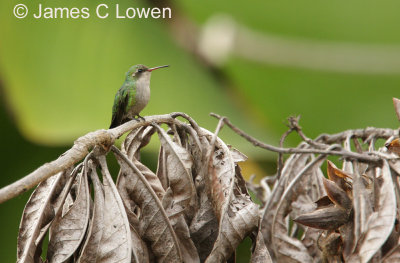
(133, 95)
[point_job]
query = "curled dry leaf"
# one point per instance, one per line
(339, 177)
(337, 195)
(362, 206)
(293, 164)
(116, 238)
(154, 224)
(187, 247)
(90, 248)
(136, 140)
(237, 214)
(67, 231)
(260, 254)
(380, 223)
(162, 169)
(179, 172)
(237, 156)
(394, 146)
(204, 226)
(37, 214)
(140, 253)
(328, 218)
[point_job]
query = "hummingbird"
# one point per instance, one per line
(133, 95)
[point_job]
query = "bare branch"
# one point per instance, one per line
(81, 147)
(364, 157)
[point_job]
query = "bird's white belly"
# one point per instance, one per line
(142, 96)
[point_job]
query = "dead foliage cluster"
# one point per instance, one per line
(196, 206)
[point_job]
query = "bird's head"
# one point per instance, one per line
(139, 71)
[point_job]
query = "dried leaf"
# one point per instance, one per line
(309, 240)
(380, 223)
(37, 214)
(393, 255)
(260, 254)
(90, 249)
(67, 232)
(140, 252)
(293, 164)
(292, 250)
(361, 205)
(328, 218)
(154, 223)
(187, 247)
(151, 178)
(115, 244)
(347, 165)
(136, 140)
(238, 214)
(237, 156)
(178, 168)
(331, 247)
(341, 178)
(162, 169)
(394, 146)
(204, 227)
(337, 195)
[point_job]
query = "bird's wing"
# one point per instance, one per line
(120, 103)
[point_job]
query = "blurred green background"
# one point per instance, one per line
(257, 62)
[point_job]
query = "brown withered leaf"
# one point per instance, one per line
(204, 226)
(136, 140)
(220, 178)
(237, 156)
(380, 223)
(151, 178)
(140, 252)
(178, 222)
(115, 243)
(393, 255)
(347, 166)
(362, 206)
(260, 254)
(162, 169)
(339, 177)
(394, 146)
(292, 250)
(331, 246)
(37, 214)
(179, 172)
(285, 246)
(327, 218)
(239, 215)
(293, 164)
(131, 208)
(154, 225)
(67, 231)
(337, 195)
(90, 248)
(310, 239)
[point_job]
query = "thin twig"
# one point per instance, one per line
(280, 155)
(364, 157)
(81, 147)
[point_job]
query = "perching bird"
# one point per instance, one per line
(133, 96)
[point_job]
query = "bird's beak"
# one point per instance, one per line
(151, 69)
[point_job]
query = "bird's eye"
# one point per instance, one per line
(140, 70)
